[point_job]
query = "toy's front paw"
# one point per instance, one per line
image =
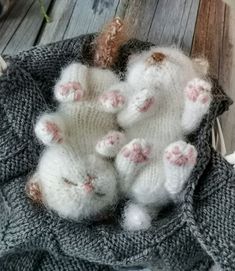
(181, 154)
(143, 101)
(112, 101)
(48, 131)
(111, 144)
(137, 151)
(69, 92)
(198, 91)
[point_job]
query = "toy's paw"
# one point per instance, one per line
(112, 101)
(198, 91)
(144, 101)
(48, 131)
(136, 218)
(137, 151)
(110, 144)
(33, 191)
(69, 92)
(180, 154)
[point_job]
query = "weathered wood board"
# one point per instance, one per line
(215, 39)
(19, 30)
(158, 21)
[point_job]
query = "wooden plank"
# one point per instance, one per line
(215, 39)
(174, 23)
(209, 33)
(61, 13)
(72, 18)
(27, 31)
(86, 19)
(138, 16)
(10, 23)
(227, 79)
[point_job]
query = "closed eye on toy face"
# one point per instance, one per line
(99, 194)
(69, 182)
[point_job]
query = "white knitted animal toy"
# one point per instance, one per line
(164, 97)
(71, 178)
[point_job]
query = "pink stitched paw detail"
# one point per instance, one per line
(52, 129)
(180, 154)
(48, 131)
(113, 138)
(137, 151)
(111, 143)
(112, 101)
(146, 105)
(198, 90)
(144, 101)
(69, 92)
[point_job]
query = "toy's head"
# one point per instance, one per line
(73, 186)
(164, 68)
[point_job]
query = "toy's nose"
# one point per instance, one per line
(88, 186)
(156, 57)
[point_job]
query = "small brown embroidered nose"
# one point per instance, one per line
(158, 57)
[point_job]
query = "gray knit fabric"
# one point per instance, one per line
(188, 237)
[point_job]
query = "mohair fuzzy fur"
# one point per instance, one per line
(71, 178)
(192, 236)
(164, 97)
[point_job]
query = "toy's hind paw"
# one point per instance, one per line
(181, 154)
(137, 151)
(179, 160)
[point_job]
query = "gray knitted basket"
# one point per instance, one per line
(190, 237)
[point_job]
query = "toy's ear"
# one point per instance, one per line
(201, 65)
(33, 189)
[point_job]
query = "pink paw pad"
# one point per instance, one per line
(181, 155)
(114, 138)
(198, 90)
(88, 187)
(146, 105)
(73, 88)
(113, 98)
(53, 129)
(137, 153)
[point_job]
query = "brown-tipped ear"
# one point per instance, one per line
(33, 190)
(108, 43)
(201, 65)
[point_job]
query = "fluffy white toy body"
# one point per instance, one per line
(164, 97)
(72, 179)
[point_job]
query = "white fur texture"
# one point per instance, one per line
(164, 97)
(136, 217)
(231, 158)
(75, 181)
